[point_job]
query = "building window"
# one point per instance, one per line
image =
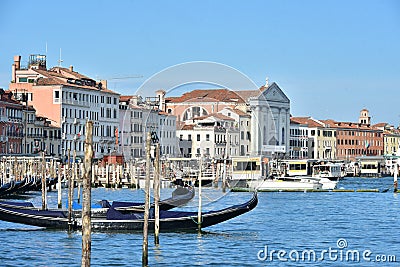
(207, 137)
(56, 96)
(198, 137)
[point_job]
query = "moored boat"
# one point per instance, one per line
(180, 196)
(117, 221)
(332, 171)
(285, 183)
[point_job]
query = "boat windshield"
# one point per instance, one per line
(246, 166)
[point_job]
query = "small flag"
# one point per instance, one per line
(367, 144)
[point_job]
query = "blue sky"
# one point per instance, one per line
(331, 58)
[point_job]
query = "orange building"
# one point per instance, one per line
(357, 139)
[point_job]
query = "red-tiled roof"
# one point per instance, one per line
(380, 124)
(49, 81)
(187, 127)
(11, 100)
(203, 95)
(124, 98)
(67, 73)
(215, 115)
(307, 121)
(238, 112)
(59, 76)
(246, 94)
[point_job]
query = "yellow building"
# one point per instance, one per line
(391, 141)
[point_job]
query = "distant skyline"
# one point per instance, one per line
(331, 58)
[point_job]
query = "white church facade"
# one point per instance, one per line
(270, 122)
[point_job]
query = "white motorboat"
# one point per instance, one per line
(327, 184)
(285, 183)
(332, 171)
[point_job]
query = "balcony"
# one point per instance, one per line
(36, 136)
(14, 134)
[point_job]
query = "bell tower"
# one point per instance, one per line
(364, 117)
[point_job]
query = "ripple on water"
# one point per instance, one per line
(280, 221)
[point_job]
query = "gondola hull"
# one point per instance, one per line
(116, 221)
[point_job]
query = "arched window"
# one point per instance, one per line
(193, 112)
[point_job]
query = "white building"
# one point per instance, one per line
(298, 143)
(243, 123)
(212, 136)
(270, 122)
(137, 118)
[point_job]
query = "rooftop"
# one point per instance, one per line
(207, 95)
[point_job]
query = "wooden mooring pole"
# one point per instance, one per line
(44, 187)
(145, 259)
(59, 192)
(396, 172)
(70, 190)
(157, 195)
(87, 197)
(199, 216)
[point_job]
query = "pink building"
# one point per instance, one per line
(68, 98)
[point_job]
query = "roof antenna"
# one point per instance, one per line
(60, 60)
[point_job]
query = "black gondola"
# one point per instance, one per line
(180, 196)
(117, 221)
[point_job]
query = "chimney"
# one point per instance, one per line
(161, 99)
(71, 68)
(104, 83)
(16, 66)
(17, 62)
(266, 82)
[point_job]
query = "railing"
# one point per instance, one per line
(36, 136)
(14, 134)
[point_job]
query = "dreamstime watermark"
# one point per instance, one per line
(339, 253)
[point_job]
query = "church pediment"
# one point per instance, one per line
(274, 93)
